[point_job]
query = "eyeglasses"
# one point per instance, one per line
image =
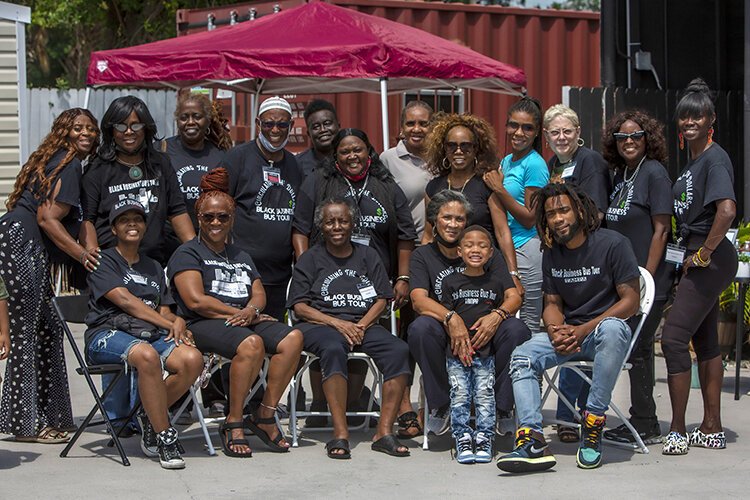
(123, 127)
(209, 217)
(466, 147)
(526, 128)
(270, 124)
(622, 137)
(566, 132)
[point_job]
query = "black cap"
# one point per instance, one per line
(123, 206)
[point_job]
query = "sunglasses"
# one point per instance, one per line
(527, 128)
(123, 127)
(466, 147)
(622, 137)
(270, 124)
(208, 217)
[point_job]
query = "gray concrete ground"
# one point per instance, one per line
(94, 471)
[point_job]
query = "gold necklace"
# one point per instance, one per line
(462, 187)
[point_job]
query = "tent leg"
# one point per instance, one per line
(86, 98)
(384, 110)
(254, 98)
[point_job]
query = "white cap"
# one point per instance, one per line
(275, 102)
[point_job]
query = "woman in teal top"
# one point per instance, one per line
(521, 173)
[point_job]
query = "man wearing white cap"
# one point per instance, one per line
(264, 179)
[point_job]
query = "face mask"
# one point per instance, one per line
(446, 244)
(268, 146)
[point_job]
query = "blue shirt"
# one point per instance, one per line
(529, 171)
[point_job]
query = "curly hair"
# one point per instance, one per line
(32, 173)
(377, 167)
(218, 133)
(656, 144)
(214, 184)
(585, 208)
(484, 135)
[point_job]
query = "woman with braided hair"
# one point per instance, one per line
(219, 292)
(41, 227)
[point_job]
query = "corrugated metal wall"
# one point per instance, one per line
(554, 48)
(9, 133)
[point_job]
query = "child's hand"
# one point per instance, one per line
(4, 346)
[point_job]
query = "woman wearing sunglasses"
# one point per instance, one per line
(219, 292)
(128, 167)
(640, 208)
(460, 150)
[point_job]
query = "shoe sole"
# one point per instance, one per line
(172, 466)
(519, 465)
(148, 452)
(479, 460)
(582, 465)
(466, 461)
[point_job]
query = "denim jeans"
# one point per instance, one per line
(472, 383)
(607, 346)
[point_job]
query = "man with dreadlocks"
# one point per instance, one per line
(590, 285)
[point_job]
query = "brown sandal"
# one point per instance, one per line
(48, 435)
(567, 434)
(408, 425)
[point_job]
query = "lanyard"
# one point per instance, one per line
(357, 195)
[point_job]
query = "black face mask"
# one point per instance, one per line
(446, 244)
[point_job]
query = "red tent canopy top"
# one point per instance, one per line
(314, 48)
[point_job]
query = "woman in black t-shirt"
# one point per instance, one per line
(128, 167)
(218, 290)
(339, 289)
(460, 150)
(704, 209)
(640, 209)
(130, 322)
(40, 228)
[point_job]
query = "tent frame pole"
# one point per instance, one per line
(87, 97)
(384, 110)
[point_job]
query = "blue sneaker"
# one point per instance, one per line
(589, 454)
(465, 449)
(483, 444)
(531, 453)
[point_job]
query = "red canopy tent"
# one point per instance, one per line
(315, 48)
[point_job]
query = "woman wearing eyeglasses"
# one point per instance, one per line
(128, 167)
(219, 292)
(264, 179)
(640, 208)
(460, 150)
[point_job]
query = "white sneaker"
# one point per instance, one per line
(483, 444)
(465, 449)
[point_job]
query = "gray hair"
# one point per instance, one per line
(444, 197)
(338, 200)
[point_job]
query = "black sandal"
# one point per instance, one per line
(273, 444)
(390, 445)
(228, 442)
(338, 444)
(406, 422)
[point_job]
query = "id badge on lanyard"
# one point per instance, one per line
(675, 254)
(271, 174)
(366, 291)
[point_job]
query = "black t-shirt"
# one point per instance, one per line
(343, 288)
(308, 162)
(266, 194)
(144, 280)
(375, 219)
(704, 181)
(27, 205)
(429, 268)
(588, 171)
(473, 296)
(478, 194)
(227, 277)
(105, 183)
(586, 277)
(631, 208)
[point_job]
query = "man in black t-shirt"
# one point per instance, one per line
(591, 286)
(322, 124)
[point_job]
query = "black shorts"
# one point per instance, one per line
(213, 335)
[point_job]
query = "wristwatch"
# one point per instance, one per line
(514, 274)
(448, 317)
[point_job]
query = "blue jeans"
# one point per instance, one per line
(607, 346)
(477, 383)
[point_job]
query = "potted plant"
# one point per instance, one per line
(728, 299)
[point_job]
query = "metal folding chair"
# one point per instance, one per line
(579, 367)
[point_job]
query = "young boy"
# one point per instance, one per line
(473, 294)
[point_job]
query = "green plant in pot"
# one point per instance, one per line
(729, 297)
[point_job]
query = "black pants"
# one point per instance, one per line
(428, 342)
(642, 405)
(696, 309)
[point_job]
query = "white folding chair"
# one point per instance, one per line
(647, 300)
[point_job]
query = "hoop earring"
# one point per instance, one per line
(208, 131)
(434, 232)
(580, 142)
(682, 141)
(710, 135)
(446, 166)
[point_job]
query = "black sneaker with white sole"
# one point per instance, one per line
(170, 449)
(621, 434)
(148, 436)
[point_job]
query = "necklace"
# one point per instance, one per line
(462, 187)
(135, 171)
(218, 254)
(628, 183)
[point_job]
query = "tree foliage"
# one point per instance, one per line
(594, 5)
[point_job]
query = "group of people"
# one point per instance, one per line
(499, 268)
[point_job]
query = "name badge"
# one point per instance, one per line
(675, 254)
(367, 291)
(362, 239)
(568, 171)
(271, 174)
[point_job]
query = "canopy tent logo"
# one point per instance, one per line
(102, 66)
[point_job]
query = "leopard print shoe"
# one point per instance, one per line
(715, 440)
(675, 444)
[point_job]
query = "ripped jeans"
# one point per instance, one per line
(607, 346)
(475, 383)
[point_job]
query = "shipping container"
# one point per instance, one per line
(555, 48)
